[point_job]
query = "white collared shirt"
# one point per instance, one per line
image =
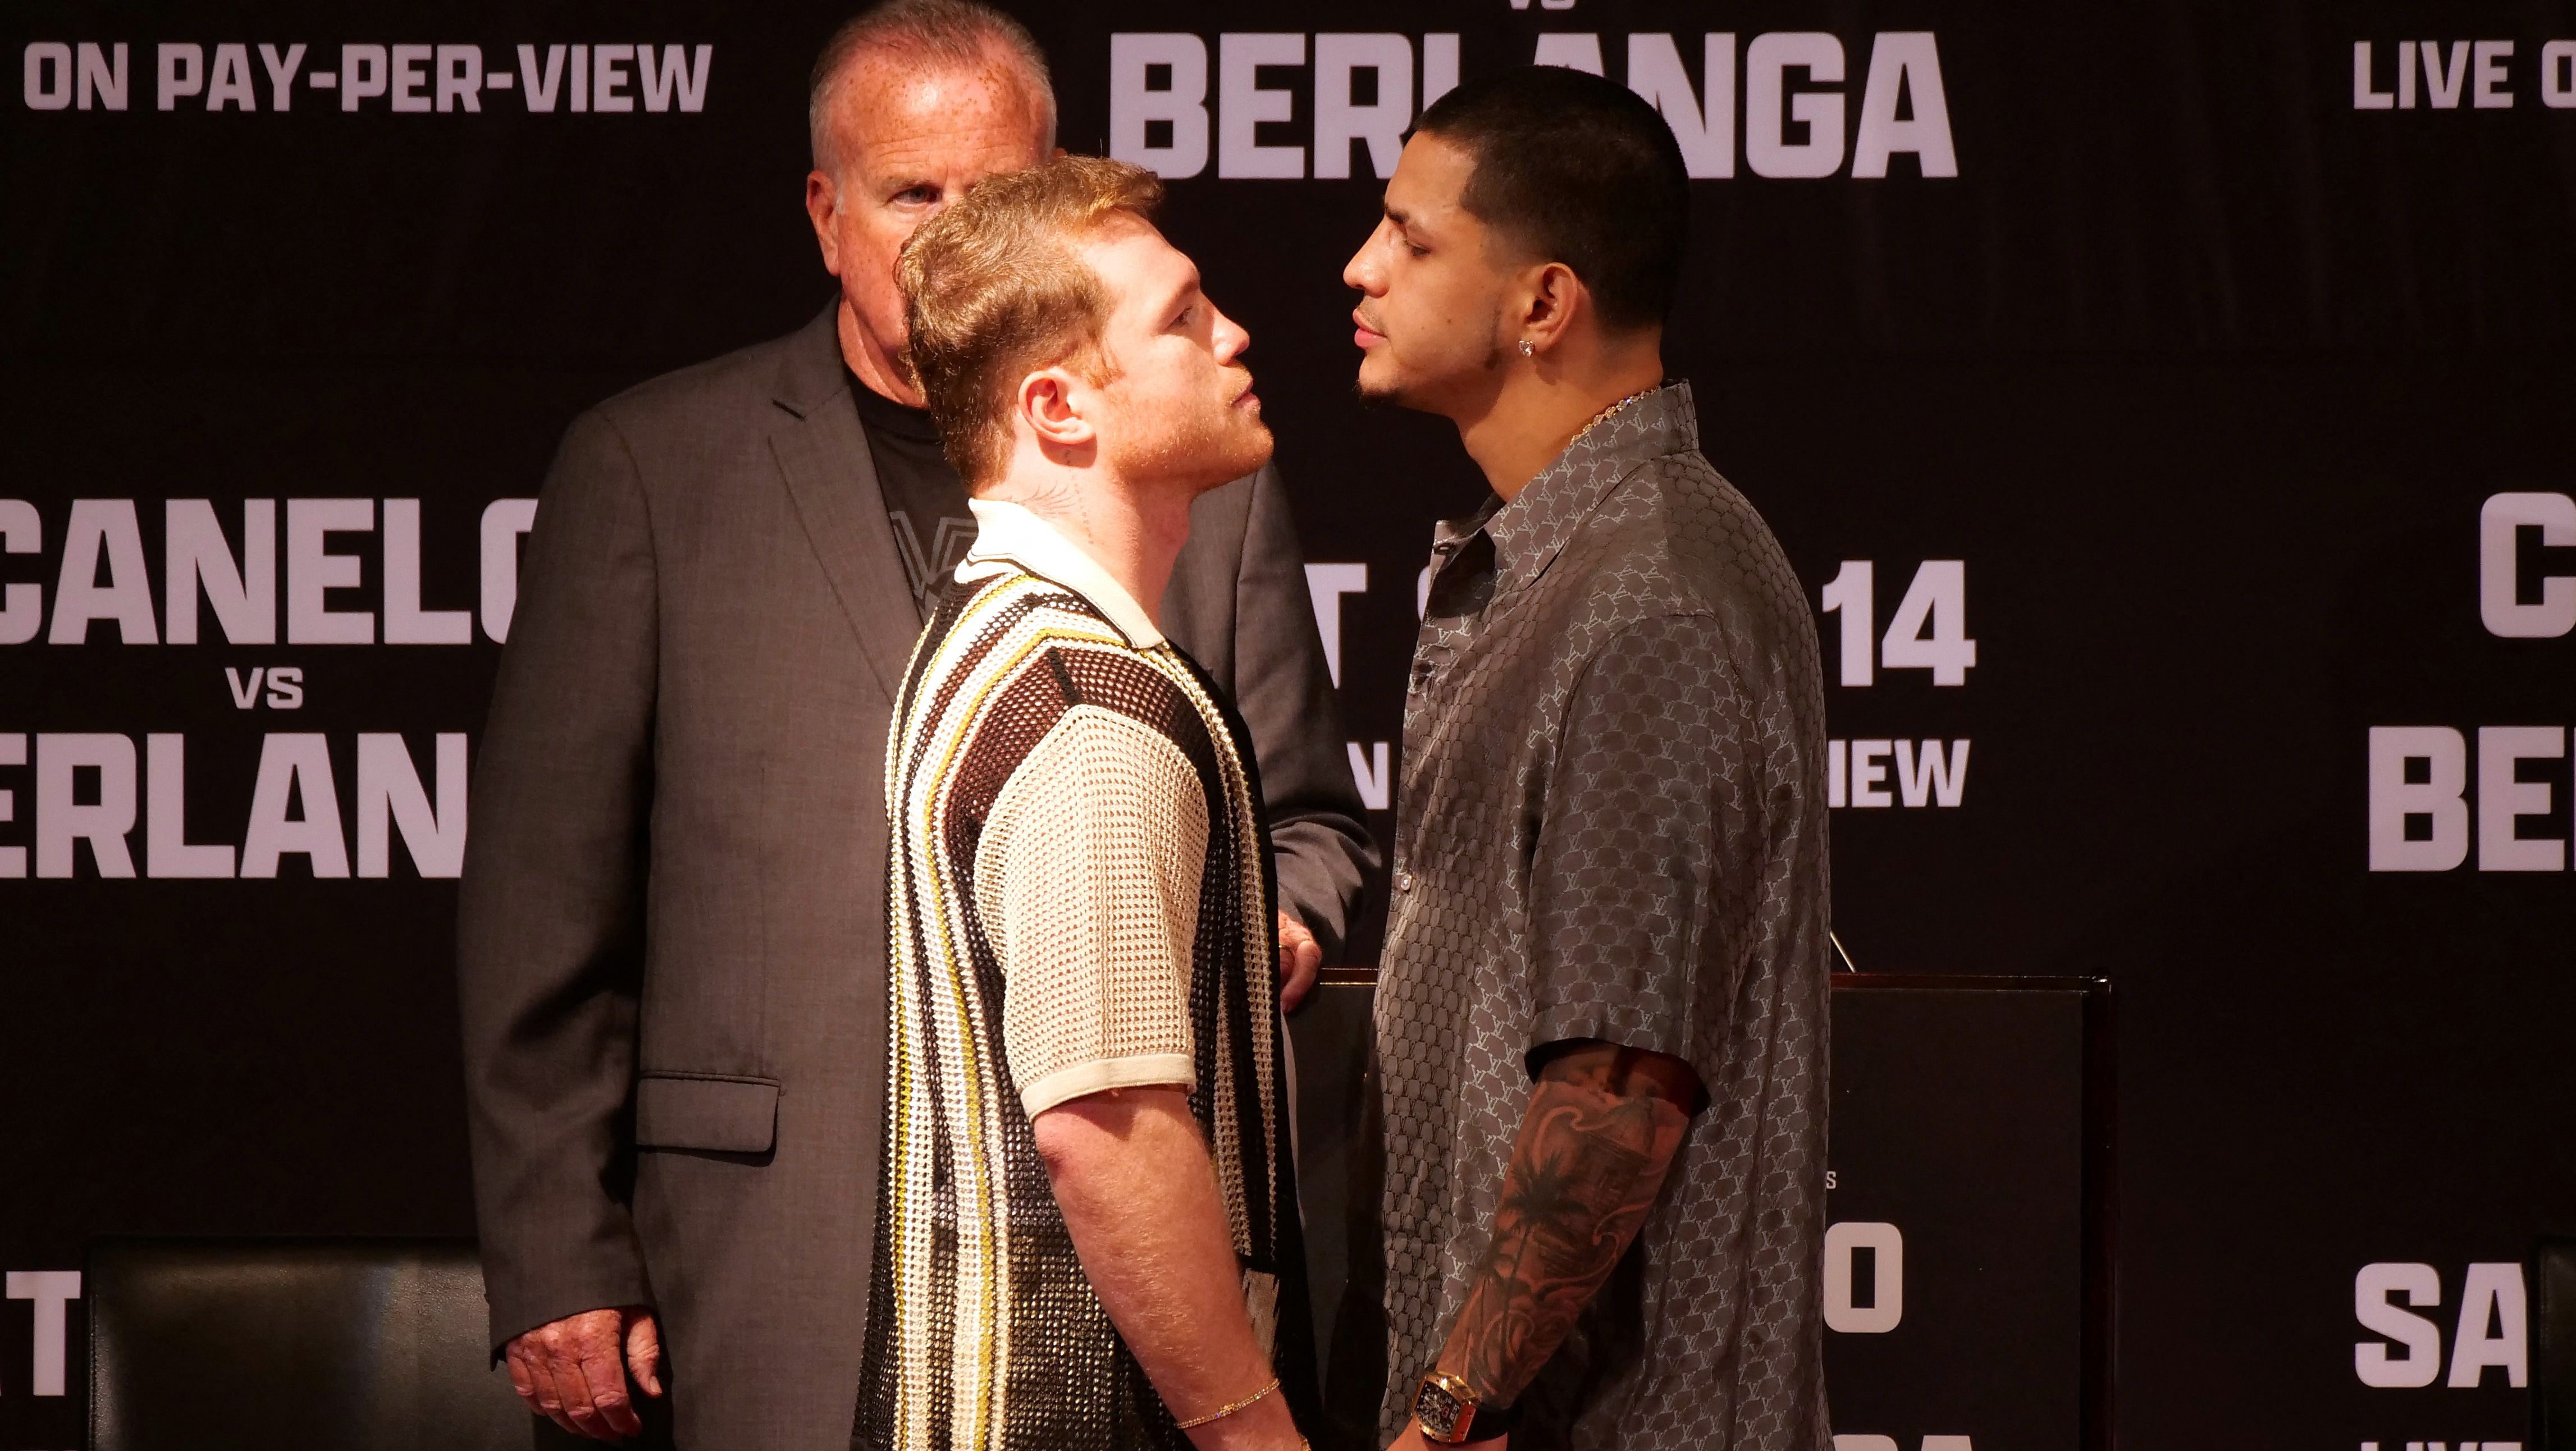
(1014, 534)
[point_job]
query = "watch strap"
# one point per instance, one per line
(1488, 1421)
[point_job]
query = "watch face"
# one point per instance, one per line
(1437, 1410)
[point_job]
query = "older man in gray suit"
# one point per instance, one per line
(674, 921)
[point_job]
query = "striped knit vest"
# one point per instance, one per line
(982, 1330)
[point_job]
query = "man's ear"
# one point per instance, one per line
(1554, 295)
(1045, 405)
(823, 208)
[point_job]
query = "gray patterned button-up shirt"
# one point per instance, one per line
(1612, 826)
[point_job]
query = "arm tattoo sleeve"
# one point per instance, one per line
(1588, 1164)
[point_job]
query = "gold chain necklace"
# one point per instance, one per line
(1606, 414)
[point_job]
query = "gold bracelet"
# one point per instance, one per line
(1230, 1410)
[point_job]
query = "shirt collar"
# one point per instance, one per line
(1008, 531)
(1538, 522)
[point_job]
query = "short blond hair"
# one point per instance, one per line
(993, 290)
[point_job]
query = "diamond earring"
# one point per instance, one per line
(1526, 349)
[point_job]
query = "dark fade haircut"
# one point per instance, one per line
(963, 33)
(1571, 168)
(993, 290)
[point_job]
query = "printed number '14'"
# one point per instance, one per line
(1929, 631)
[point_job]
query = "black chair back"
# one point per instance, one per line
(294, 1345)
(2553, 1345)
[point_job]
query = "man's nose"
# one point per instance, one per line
(1362, 271)
(1232, 339)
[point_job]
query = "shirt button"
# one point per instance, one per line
(1404, 881)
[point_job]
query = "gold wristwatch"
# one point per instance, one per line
(1450, 1415)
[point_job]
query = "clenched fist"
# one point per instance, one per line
(571, 1372)
(1301, 959)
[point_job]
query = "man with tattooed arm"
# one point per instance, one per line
(1601, 1012)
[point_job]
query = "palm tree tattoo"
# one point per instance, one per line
(1586, 1168)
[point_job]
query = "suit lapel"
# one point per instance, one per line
(823, 455)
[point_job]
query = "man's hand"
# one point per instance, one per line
(1301, 957)
(570, 1372)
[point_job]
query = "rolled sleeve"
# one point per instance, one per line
(1088, 879)
(1631, 856)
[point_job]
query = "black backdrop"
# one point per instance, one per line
(2202, 368)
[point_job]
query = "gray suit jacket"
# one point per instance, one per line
(672, 936)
